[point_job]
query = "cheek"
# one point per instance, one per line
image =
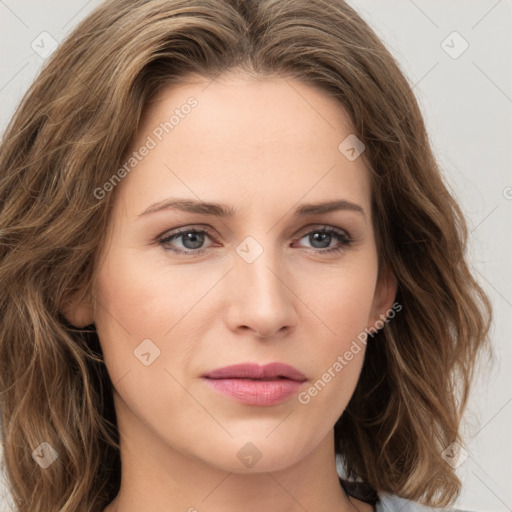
(342, 300)
(139, 300)
(136, 306)
(343, 308)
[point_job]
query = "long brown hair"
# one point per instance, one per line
(69, 136)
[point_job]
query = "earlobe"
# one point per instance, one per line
(79, 312)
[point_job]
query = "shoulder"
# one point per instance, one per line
(391, 503)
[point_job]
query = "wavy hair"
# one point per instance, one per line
(73, 129)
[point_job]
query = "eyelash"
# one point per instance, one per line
(343, 238)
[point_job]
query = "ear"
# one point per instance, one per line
(383, 299)
(78, 310)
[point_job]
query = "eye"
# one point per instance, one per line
(321, 239)
(192, 240)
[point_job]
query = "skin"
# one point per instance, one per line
(262, 147)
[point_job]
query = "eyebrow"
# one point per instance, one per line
(224, 211)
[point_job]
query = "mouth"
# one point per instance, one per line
(254, 371)
(252, 384)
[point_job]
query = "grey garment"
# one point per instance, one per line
(390, 503)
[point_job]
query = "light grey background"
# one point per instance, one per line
(467, 103)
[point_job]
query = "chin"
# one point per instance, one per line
(255, 456)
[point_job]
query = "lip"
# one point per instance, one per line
(252, 384)
(255, 371)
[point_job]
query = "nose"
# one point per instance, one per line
(261, 297)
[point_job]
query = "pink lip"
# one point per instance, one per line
(252, 384)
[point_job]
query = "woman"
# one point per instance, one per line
(234, 278)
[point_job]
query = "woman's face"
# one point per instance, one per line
(263, 284)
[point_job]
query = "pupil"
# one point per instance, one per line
(194, 238)
(321, 237)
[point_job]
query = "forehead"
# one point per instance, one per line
(270, 110)
(253, 141)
